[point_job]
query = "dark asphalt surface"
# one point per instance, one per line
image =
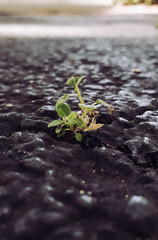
(103, 188)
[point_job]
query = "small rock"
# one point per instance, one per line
(34, 163)
(71, 178)
(4, 211)
(139, 212)
(86, 201)
(53, 217)
(135, 200)
(46, 111)
(71, 233)
(34, 125)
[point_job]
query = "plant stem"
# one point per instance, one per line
(81, 100)
(79, 94)
(84, 114)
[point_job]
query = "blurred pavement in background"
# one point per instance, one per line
(76, 18)
(31, 7)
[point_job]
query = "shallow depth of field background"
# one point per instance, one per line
(78, 18)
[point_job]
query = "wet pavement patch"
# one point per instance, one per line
(102, 188)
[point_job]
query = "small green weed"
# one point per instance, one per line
(83, 120)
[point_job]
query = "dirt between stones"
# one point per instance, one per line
(102, 189)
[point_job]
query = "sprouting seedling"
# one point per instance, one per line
(76, 121)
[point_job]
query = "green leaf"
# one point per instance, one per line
(74, 80)
(80, 122)
(79, 79)
(78, 137)
(61, 133)
(71, 81)
(64, 98)
(86, 107)
(70, 122)
(72, 115)
(58, 129)
(99, 101)
(55, 123)
(63, 110)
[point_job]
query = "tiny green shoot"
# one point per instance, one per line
(83, 120)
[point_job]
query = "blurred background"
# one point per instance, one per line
(49, 7)
(79, 18)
